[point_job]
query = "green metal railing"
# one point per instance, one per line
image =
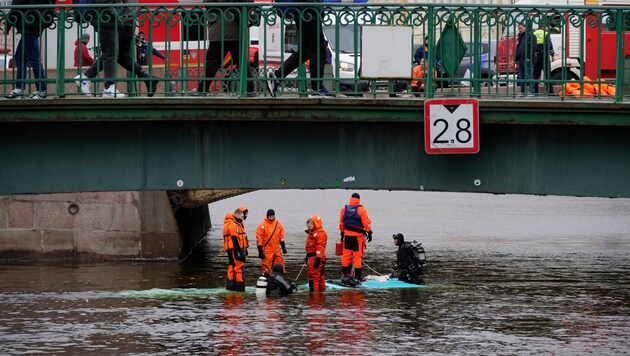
(470, 50)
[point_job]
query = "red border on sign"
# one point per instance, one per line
(427, 126)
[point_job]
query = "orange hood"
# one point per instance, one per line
(317, 222)
(229, 217)
(354, 201)
(245, 211)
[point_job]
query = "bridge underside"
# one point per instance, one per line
(563, 148)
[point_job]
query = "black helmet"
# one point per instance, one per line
(277, 268)
(399, 237)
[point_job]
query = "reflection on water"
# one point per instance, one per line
(508, 275)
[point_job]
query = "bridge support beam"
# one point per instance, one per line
(198, 197)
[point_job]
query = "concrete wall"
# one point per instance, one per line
(106, 226)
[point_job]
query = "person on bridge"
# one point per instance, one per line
(142, 46)
(235, 244)
(523, 55)
(278, 284)
(270, 241)
(410, 260)
(542, 60)
(354, 225)
(312, 48)
(30, 24)
(115, 27)
(81, 54)
(316, 241)
(224, 36)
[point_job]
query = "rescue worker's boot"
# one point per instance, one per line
(239, 286)
(311, 286)
(345, 270)
(357, 275)
(229, 284)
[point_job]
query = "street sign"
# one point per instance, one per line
(451, 126)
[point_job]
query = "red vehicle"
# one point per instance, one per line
(599, 52)
(184, 43)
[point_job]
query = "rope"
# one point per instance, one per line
(372, 269)
(321, 210)
(298, 276)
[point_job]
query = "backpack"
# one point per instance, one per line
(83, 13)
(351, 217)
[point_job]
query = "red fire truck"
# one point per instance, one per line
(184, 42)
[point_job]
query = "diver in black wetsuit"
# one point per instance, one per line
(410, 260)
(278, 285)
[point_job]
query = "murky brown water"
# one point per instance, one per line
(508, 275)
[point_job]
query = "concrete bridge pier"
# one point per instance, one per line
(139, 225)
(88, 226)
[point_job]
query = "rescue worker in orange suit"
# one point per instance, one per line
(269, 240)
(354, 224)
(235, 245)
(316, 253)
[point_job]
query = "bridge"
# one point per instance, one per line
(527, 147)
(202, 148)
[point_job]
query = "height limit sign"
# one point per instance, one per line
(451, 126)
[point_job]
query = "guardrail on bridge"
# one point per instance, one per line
(197, 49)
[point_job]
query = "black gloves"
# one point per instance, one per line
(230, 259)
(239, 254)
(306, 259)
(284, 247)
(341, 233)
(369, 236)
(261, 255)
(317, 262)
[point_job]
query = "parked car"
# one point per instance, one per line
(349, 76)
(488, 66)
(6, 59)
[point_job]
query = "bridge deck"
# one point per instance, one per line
(528, 146)
(580, 111)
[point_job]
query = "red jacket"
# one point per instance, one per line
(86, 59)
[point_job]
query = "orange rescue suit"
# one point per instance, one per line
(235, 244)
(269, 235)
(354, 241)
(316, 255)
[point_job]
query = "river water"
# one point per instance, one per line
(509, 274)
